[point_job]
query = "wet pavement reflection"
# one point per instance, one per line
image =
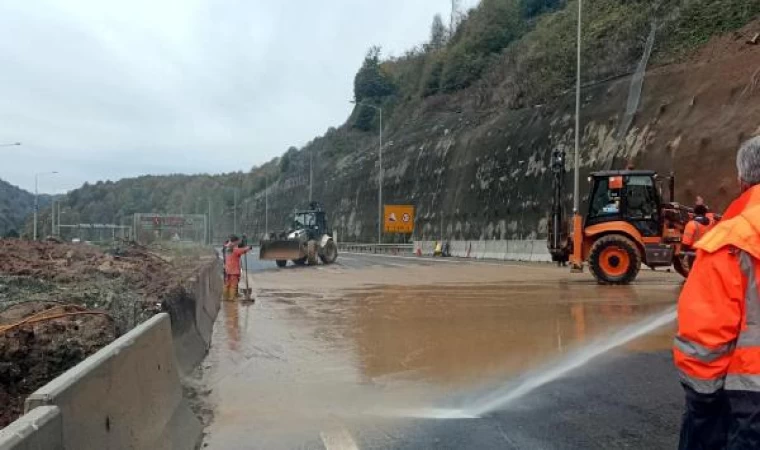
(327, 346)
(457, 335)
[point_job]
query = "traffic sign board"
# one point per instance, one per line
(399, 219)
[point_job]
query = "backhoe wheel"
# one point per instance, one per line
(281, 263)
(329, 253)
(682, 264)
(311, 253)
(614, 259)
(300, 262)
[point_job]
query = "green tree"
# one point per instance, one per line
(438, 33)
(286, 159)
(371, 81)
(533, 8)
(365, 118)
(432, 78)
(488, 30)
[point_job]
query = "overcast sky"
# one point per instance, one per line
(107, 89)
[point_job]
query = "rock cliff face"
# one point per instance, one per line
(484, 174)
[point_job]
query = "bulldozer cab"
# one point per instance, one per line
(628, 195)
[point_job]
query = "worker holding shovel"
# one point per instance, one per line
(235, 250)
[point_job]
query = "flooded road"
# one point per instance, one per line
(362, 354)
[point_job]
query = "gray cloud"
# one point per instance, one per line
(106, 90)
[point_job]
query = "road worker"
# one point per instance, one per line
(697, 227)
(235, 250)
(717, 348)
(714, 218)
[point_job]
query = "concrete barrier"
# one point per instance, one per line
(459, 249)
(540, 252)
(501, 250)
(519, 250)
(125, 396)
(494, 250)
(478, 249)
(193, 312)
(41, 429)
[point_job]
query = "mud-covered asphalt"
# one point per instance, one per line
(373, 351)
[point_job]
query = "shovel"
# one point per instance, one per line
(247, 291)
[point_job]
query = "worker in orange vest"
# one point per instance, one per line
(717, 348)
(235, 250)
(714, 218)
(697, 227)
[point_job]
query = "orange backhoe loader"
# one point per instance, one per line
(625, 225)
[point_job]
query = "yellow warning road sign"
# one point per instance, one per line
(399, 219)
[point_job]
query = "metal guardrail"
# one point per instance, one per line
(384, 249)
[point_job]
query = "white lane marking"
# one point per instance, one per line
(527, 265)
(338, 439)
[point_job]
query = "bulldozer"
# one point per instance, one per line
(307, 241)
(626, 224)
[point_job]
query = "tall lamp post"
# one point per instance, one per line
(36, 197)
(576, 260)
(380, 175)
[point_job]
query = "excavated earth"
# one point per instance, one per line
(96, 294)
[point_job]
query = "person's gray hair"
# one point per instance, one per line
(748, 161)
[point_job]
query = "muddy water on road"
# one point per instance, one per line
(329, 346)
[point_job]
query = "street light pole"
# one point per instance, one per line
(58, 219)
(577, 257)
(379, 176)
(576, 188)
(311, 173)
(234, 213)
(36, 199)
(209, 231)
(380, 185)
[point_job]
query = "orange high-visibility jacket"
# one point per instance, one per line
(718, 341)
(232, 262)
(694, 232)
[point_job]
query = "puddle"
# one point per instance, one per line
(322, 346)
(457, 335)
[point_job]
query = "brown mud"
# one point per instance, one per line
(95, 295)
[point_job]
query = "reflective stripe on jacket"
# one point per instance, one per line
(717, 349)
(718, 341)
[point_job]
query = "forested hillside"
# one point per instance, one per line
(471, 116)
(16, 205)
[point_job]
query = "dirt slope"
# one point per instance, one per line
(59, 303)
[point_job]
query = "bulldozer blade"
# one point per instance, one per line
(284, 250)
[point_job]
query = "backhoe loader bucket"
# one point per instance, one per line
(281, 250)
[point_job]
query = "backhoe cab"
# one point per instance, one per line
(625, 225)
(306, 241)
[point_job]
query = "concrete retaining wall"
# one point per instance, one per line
(41, 429)
(128, 395)
(125, 396)
(193, 314)
(533, 251)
